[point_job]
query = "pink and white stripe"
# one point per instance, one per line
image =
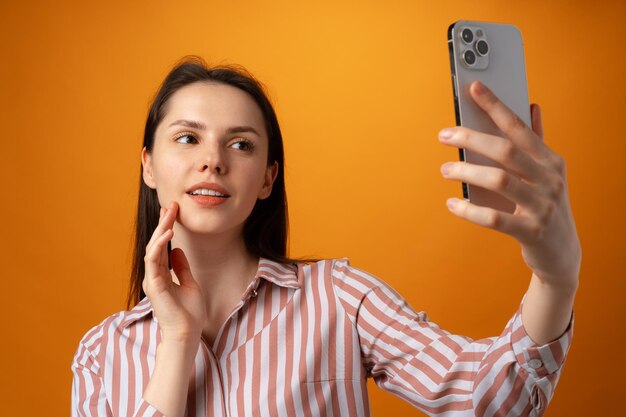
(304, 344)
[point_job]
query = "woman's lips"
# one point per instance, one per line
(208, 200)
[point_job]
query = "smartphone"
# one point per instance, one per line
(492, 53)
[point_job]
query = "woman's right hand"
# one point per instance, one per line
(180, 309)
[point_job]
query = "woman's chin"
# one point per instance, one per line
(201, 227)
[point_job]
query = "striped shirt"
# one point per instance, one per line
(302, 341)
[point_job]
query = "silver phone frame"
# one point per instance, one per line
(505, 76)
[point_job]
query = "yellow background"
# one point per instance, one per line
(361, 89)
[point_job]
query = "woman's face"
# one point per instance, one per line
(211, 133)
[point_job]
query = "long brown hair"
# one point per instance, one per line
(266, 228)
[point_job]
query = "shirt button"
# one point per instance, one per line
(535, 363)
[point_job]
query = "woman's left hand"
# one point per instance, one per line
(534, 178)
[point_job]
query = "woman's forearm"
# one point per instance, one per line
(547, 310)
(169, 383)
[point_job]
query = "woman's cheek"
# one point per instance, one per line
(170, 181)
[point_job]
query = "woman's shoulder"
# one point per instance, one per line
(342, 274)
(92, 340)
(354, 287)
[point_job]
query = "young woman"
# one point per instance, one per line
(225, 324)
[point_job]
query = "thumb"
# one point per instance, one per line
(535, 115)
(181, 267)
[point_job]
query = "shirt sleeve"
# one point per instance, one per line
(89, 396)
(439, 372)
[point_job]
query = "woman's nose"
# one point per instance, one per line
(214, 161)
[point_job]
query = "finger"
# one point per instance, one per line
(167, 226)
(154, 254)
(507, 121)
(166, 221)
(154, 262)
(156, 257)
(170, 216)
(495, 179)
(498, 149)
(521, 228)
(535, 114)
(181, 267)
(157, 232)
(553, 160)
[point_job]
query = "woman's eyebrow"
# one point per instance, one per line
(200, 126)
(189, 123)
(241, 129)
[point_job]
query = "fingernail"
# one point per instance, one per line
(446, 134)
(171, 205)
(445, 168)
(451, 203)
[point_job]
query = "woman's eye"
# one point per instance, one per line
(244, 145)
(186, 135)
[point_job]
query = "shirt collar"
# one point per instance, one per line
(281, 274)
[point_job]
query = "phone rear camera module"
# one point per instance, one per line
(467, 35)
(469, 57)
(482, 47)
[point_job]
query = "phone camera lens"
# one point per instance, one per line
(467, 35)
(469, 57)
(482, 47)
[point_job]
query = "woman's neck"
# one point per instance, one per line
(221, 264)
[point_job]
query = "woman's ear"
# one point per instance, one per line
(270, 175)
(146, 163)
